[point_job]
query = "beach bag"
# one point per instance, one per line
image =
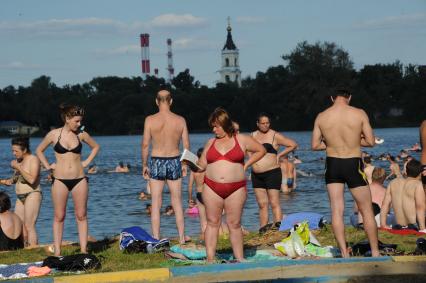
(294, 245)
(363, 248)
(135, 239)
(78, 262)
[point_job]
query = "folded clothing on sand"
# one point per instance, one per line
(38, 271)
(14, 271)
(403, 231)
(190, 251)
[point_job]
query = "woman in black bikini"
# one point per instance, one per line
(68, 176)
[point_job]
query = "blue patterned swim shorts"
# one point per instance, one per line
(165, 168)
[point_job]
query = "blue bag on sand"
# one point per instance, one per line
(315, 220)
(134, 234)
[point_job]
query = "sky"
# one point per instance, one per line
(74, 41)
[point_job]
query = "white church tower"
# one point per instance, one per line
(230, 71)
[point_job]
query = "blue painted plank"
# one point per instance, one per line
(33, 280)
(213, 268)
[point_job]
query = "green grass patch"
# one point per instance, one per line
(113, 259)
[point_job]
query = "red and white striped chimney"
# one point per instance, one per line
(145, 54)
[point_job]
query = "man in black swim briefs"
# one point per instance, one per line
(341, 130)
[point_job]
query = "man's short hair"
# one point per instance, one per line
(414, 168)
(378, 175)
(166, 97)
(341, 91)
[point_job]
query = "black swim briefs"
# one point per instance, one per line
(267, 180)
(345, 170)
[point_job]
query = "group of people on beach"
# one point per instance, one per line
(341, 130)
(219, 177)
(68, 177)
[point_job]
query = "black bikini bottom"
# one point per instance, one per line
(71, 183)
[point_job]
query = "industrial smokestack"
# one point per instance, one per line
(145, 55)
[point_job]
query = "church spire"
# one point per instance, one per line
(229, 45)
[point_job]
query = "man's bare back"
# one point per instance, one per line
(396, 191)
(342, 127)
(166, 130)
(410, 201)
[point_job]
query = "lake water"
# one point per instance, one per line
(113, 198)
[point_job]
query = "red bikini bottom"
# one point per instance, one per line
(224, 190)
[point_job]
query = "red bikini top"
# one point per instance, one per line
(234, 155)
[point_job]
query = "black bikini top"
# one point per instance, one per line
(269, 147)
(62, 150)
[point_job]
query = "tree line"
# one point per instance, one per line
(293, 93)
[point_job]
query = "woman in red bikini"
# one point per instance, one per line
(68, 172)
(224, 181)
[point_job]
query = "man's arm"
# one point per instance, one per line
(145, 148)
(185, 136)
(186, 145)
(367, 136)
(420, 206)
(317, 142)
(384, 210)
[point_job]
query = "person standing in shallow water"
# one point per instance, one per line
(164, 131)
(68, 176)
(224, 180)
(341, 130)
(27, 186)
(266, 173)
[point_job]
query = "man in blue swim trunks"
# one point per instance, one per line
(164, 131)
(341, 130)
